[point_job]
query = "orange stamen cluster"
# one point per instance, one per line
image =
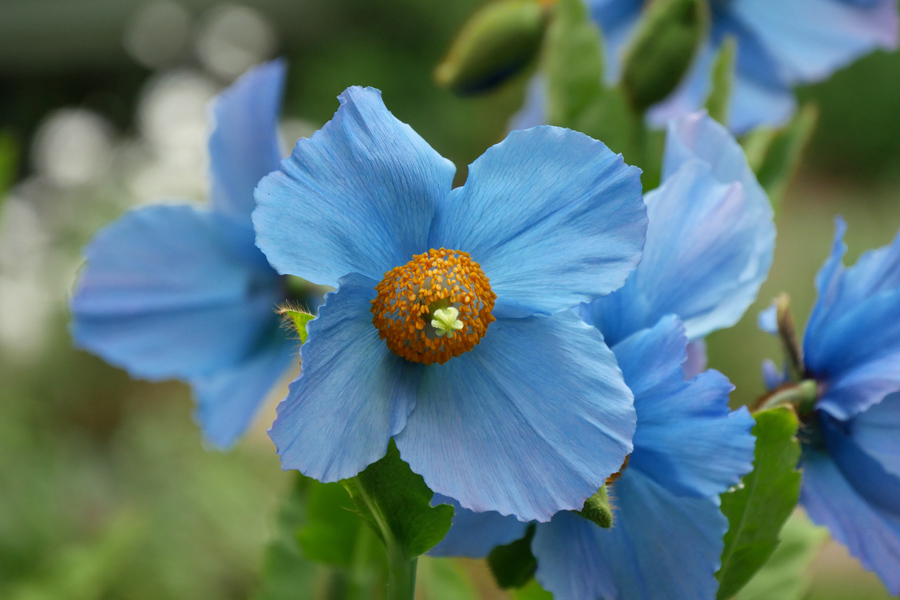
(409, 295)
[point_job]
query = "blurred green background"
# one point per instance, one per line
(106, 490)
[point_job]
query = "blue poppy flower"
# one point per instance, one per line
(177, 291)
(666, 537)
(450, 330)
(780, 45)
(851, 440)
(710, 242)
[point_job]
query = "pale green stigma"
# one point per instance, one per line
(445, 321)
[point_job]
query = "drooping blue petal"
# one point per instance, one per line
(774, 377)
(870, 532)
(703, 260)
(227, 401)
(660, 546)
(530, 422)
(687, 438)
(813, 38)
(767, 320)
(617, 20)
(696, 360)
(553, 217)
(852, 341)
(243, 146)
(877, 432)
(173, 292)
(758, 103)
(475, 534)
(352, 394)
(357, 197)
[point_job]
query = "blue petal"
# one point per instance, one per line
(660, 546)
(475, 534)
(871, 533)
(709, 247)
(852, 342)
(773, 376)
(758, 103)
(813, 38)
(696, 360)
(243, 147)
(357, 197)
(553, 217)
(174, 292)
(617, 20)
(877, 432)
(228, 400)
(352, 394)
(687, 439)
(530, 422)
(767, 320)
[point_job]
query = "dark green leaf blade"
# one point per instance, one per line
(757, 509)
(513, 565)
(397, 505)
(785, 152)
(719, 100)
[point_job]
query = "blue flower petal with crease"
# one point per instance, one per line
(549, 214)
(528, 423)
(357, 197)
(710, 241)
(352, 394)
(876, 432)
(182, 292)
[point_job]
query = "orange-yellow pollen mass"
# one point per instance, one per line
(409, 296)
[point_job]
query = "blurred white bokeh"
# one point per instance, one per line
(72, 147)
(233, 38)
(157, 33)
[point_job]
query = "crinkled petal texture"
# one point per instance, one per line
(475, 534)
(357, 197)
(530, 422)
(173, 292)
(228, 400)
(352, 394)
(852, 341)
(553, 217)
(847, 490)
(644, 556)
(243, 146)
(877, 432)
(710, 241)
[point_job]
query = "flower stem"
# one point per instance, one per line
(401, 576)
(801, 396)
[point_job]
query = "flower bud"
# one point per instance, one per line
(598, 510)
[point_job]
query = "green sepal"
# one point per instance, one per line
(663, 49)
(296, 319)
(597, 509)
(785, 576)
(718, 102)
(498, 41)
(758, 508)
(396, 504)
(784, 153)
(513, 565)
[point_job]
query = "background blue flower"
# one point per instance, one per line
(177, 291)
(851, 441)
(780, 45)
(536, 416)
(666, 538)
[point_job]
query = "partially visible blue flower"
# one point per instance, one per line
(781, 44)
(666, 538)
(710, 241)
(851, 441)
(176, 291)
(450, 330)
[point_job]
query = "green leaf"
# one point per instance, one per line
(719, 100)
(786, 575)
(443, 579)
(333, 533)
(663, 49)
(9, 162)
(573, 63)
(784, 152)
(498, 41)
(296, 319)
(757, 509)
(396, 503)
(532, 591)
(513, 565)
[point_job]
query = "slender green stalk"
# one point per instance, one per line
(401, 576)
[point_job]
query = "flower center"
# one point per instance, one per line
(435, 307)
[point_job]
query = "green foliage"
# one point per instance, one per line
(296, 319)
(663, 49)
(719, 101)
(757, 509)
(598, 510)
(9, 162)
(443, 579)
(396, 504)
(498, 41)
(532, 591)
(785, 576)
(785, 152)
(513, 565)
